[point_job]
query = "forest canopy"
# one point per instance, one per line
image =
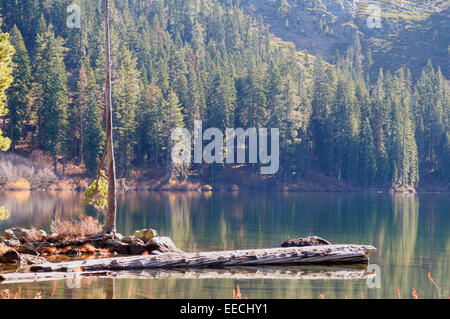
(175, 62)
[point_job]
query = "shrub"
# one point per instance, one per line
(4, 214)
(75, 227)
(97, 193)
(20, 184)
(207, 188)
(16, 170)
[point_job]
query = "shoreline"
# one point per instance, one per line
(230, 179)
(180, 188)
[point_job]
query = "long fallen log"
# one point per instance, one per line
(330, 254)
(240, 273)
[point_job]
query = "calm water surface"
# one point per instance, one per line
(411, 234)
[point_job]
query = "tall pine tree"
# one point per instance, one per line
(19, 92)
(50, 74)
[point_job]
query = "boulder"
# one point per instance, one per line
(307, 241)
(9, 234)
(12, 242)
(118, 236)
(117, 246)
(25, 235)
(137, 249)
(132, 240)
(163, 244)
(145, 234)
(10, 257)
(105, 236)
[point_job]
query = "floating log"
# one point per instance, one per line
(330, 254)
(239, 273)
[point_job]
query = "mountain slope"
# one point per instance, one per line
(409, 33)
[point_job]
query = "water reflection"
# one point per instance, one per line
(410, 232)
(38, 208)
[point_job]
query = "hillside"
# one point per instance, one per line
(410, 32)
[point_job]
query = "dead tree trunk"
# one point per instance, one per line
(110, 223)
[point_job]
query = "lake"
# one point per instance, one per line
(411, 233)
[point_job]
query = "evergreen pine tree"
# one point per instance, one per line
(51, 75)
(126, 96)
(18, 93)
(91, 135)
(6, 56)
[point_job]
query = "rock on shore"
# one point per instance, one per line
(145, 234)
(24, 235)
(162, 244)
(13, 257)
(21, 245)
(307, 241)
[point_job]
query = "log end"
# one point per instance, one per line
(369, 249)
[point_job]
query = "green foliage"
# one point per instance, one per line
(52, 99)
(97, 193)
(85, 120)
(6, 54)
(126, 96)
(4, 214)
(18, 93)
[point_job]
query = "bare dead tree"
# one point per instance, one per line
(110, 223)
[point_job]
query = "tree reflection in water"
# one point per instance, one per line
(410, 232)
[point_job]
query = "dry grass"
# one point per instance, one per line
(237, 293)
(20, 184)
(75, 227)
(19, 172)
(181, 186)
(62, 185)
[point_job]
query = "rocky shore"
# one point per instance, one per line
(31, 246)
(27, 247)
